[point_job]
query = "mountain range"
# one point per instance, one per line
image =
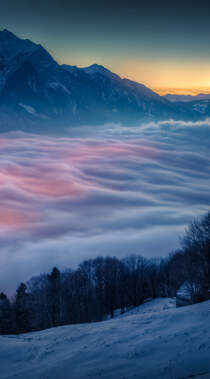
(36, 93)
(187, 98)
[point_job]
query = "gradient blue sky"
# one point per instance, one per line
(159, 43)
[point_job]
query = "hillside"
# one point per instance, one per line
(155, 340)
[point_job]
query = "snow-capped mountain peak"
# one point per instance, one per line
(99, 69)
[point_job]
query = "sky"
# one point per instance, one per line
(112, 190)
(108, 191)
(162, 44)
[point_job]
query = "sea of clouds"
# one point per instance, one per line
(108, 190)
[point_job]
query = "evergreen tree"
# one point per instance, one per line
(6, 319)
(22, 308)
(55, 296)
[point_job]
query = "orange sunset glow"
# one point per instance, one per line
(171, 76)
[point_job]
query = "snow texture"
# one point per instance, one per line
(155, 340)
(28, 108)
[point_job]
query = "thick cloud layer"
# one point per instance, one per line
(98, 191)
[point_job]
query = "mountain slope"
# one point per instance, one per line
(37, 93)
(123, 99)
(152, 341)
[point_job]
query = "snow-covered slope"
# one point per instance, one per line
(154, 341)
(13, 51)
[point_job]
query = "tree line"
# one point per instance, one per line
(99, 286)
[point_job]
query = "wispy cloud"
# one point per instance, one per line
(178, 123)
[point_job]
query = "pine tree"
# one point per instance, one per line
(6, 319)
(22, 308)
(55, 297)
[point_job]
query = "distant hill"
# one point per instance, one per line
(187, 98)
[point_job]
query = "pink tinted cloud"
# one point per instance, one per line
(50, 180)
(13, 219)
(48, 168)
(109, 149)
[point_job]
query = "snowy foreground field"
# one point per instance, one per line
(153, 341)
